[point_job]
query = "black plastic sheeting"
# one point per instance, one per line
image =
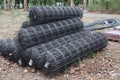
(32, 36)
(36, 53)
(45, 14)
(59, 57)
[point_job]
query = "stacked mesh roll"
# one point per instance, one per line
(59, 57)
(52, 39)
(45, 14)
(63, 51)
(36, 53)
(42, 33)
(32, 34)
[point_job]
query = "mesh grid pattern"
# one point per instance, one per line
(42, 33)
(46, 14)
(65, 54)
(10, 49)
(37, 53)
(52, 39)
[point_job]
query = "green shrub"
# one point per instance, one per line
(110, 6)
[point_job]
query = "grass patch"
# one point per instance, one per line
(77, 62)
(1, 12)
(92, 55)
(65, 71)
(16, 14)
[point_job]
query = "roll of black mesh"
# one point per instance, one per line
(26, 24)
(45, 14)
(59, 57)
(10, 49)
(41, 33)
(34, 56)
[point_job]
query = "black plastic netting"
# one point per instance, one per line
(36, 53)
(45, 14)
(10, 49)
(59, 57)
(42, 33)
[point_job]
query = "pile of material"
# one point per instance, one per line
(53, 38)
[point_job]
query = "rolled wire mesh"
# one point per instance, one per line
(26, 24)
(45, 14)
(59, 57)
(35, 56)
(42, 33)
(10, 49)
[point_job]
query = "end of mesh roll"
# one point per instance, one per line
(10, 49)
(25, 58)
(34, 11)
(103, 37)
(26, 24)
(22, 37)
(5, 49)
(80, 12)
(36, 59)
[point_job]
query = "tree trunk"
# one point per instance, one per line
(8, 5)
(13, 4)
(84, 4)
(50, 2)
(72, 3)
(5, 6)
(25, 5)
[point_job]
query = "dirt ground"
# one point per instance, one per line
(105, 65)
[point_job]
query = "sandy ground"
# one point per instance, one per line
(105, 65)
